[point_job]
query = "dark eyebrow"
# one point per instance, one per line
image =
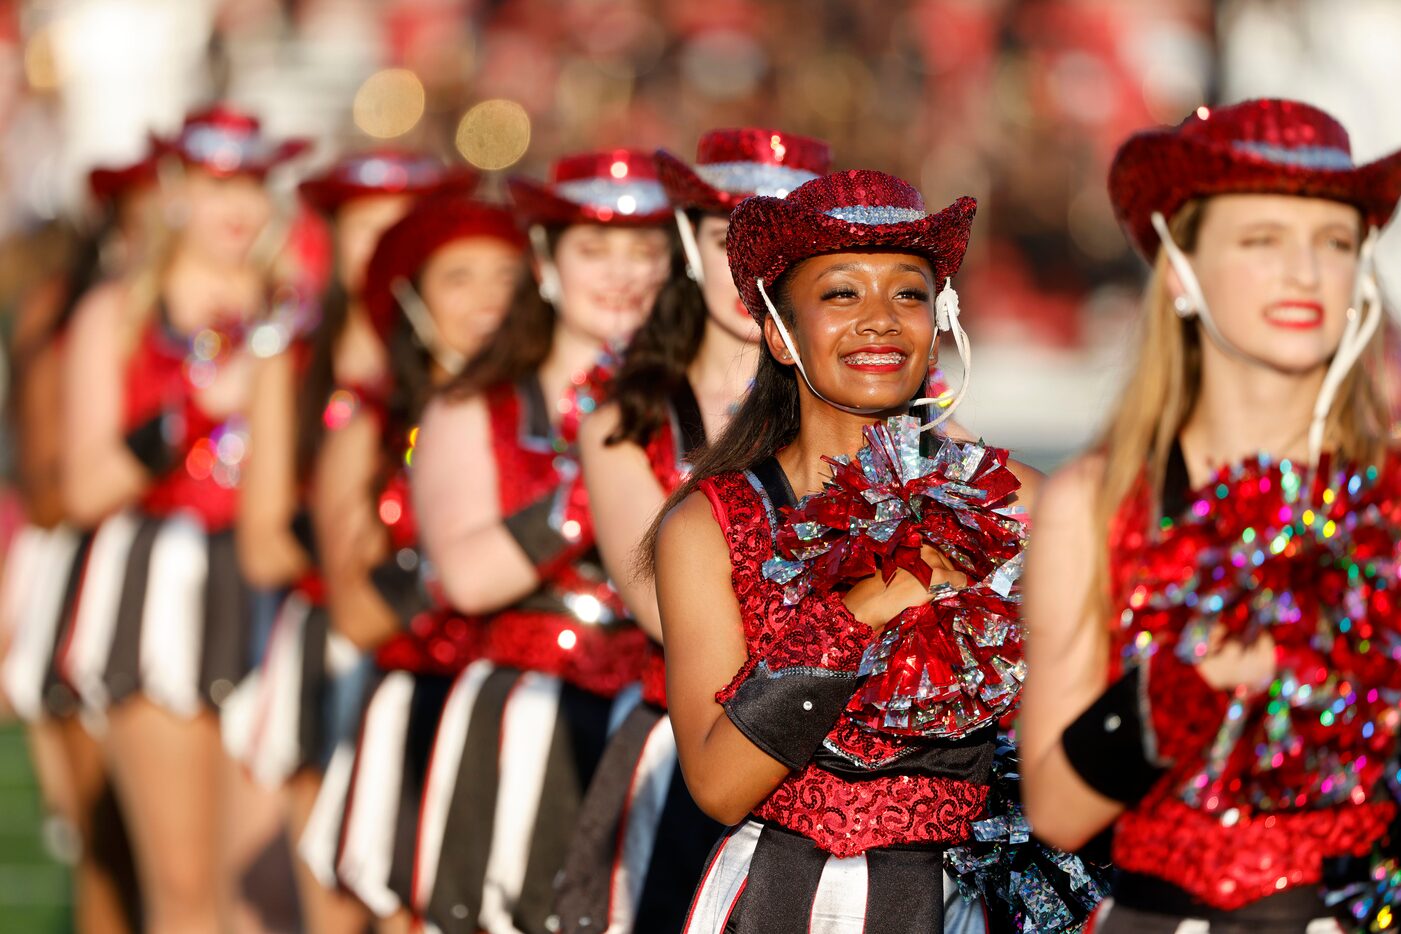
(847, 267)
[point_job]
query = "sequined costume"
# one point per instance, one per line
(362, 831)
(861, 827)
(642, 842)
(162, 608)
(1266, 797)
(524, 729)
(290, 712)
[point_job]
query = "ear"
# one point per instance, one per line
(775, 343)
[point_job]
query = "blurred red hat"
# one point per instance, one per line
(617, 186)
(383, 172)
(1261, 146)
(733, 164)
(858, 209)
(405, 247)
(109, 183)
(227, 141)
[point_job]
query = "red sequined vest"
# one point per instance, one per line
(682, 432)
(1240, 855)
(574, 625)
(878, 799)
(160, 379)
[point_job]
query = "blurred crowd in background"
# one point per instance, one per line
(1016, 102)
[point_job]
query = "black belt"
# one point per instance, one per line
(1153, 895)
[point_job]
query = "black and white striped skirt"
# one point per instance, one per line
(641, 843)
(513, 757)
(162, 611)
(763, 879)
(363, 829)
(286, 716)
(42, 573)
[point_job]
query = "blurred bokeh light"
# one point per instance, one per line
(389, 104)
(494, 134)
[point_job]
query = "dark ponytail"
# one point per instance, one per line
(655, 362)
(767, 421)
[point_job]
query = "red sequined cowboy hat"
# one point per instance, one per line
(406, 246)
(1261, 146)
(383, 172)
(858, 209)
(734, 164)
(108, 183)
(616, 186)
(227, 141)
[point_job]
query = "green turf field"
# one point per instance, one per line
(33, 888)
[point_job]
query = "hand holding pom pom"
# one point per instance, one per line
(943, 668)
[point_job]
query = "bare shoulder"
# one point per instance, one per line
(690, 527)
(1030, 479)
(1070, 490)
(447, 417)
(103, 307)
(599, 425)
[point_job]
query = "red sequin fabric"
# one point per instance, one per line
(1260, 790)
(438, 640)
(669, 467)
(163, 375)
(842, 816)
(588, 641)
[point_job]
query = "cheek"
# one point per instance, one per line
(576, 272)
(647, 275)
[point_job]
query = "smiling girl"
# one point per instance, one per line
(833, 827)
(1224, 560)
(506, 526)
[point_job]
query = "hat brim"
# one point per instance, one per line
(535, 204)
(285, 151)
(108, 184)
(769, 236)
(327, 195)
(1159, 170)
(686, 189)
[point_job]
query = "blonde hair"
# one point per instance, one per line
(1162, 390)
(145, 282)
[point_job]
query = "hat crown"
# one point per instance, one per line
(765, 146)
(619, 165)
(390, 168)
(1277, 130)
(224, 118)
(862, 196)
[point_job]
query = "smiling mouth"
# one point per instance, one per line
(1303, 316)
(876, 362)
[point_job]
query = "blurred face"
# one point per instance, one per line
(1277, 273)
(467, 286)
(609, 277)
(863, 324)
(223, 215)
(721, 296)
(359, 222)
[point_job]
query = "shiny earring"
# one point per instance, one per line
(1183, 306)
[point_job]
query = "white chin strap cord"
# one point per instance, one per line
(1364, 316)
(550, 289)
(945, 318)
(421, 320)
(690, 247)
